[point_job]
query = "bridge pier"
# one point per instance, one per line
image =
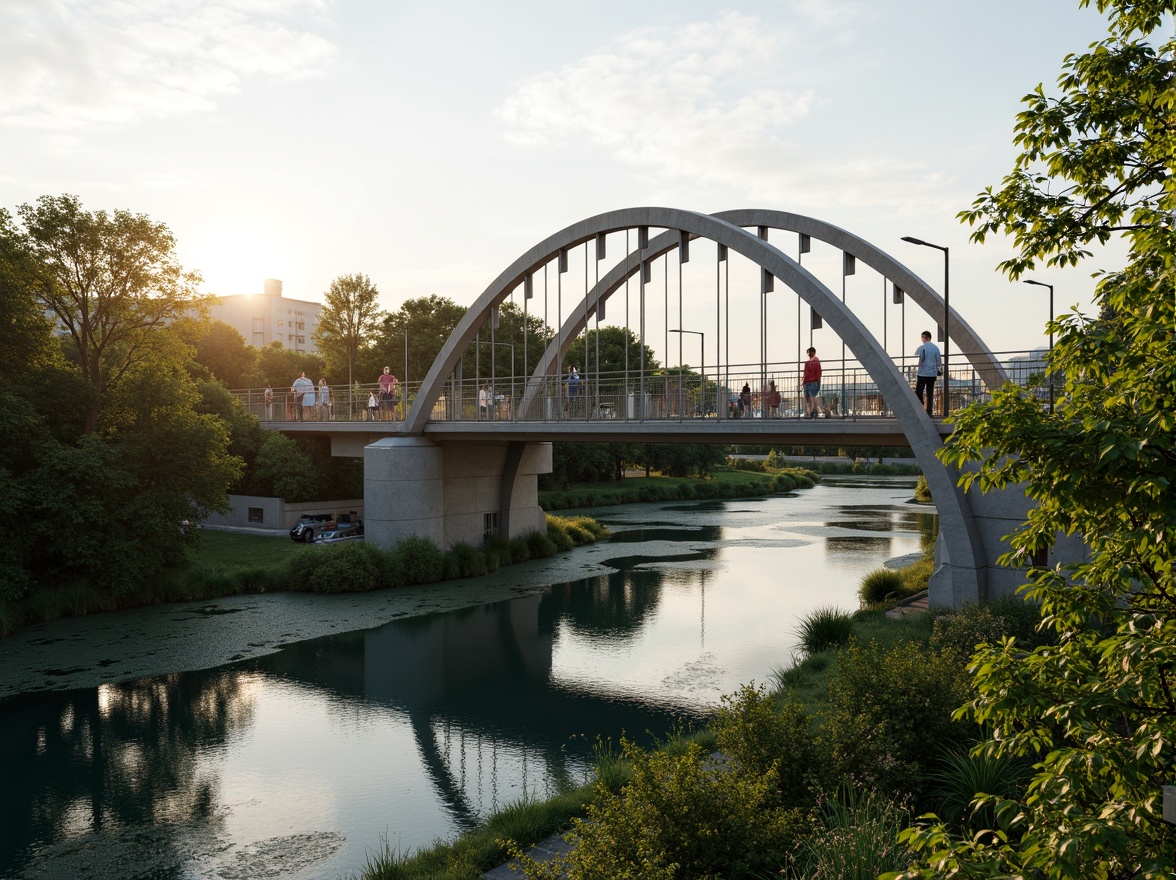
(452, 492)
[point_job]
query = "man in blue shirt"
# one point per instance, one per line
(929, 367)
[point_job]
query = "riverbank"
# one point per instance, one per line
(228, 564)
(826, 685)
(723, 482)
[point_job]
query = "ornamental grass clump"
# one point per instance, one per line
(857, 838)
(881, 585)
(824, 628)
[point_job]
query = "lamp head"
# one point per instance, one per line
(913, 240)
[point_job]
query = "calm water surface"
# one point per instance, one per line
(294, 764)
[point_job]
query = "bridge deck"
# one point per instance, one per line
(793, 432)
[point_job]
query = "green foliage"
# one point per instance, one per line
(964, 788)
(541, 545)
(284, 469)
(558, 534)
(857, 838)
(963, 629)
(824, 628)
(677, 818)
(349, 317)
(111, 280)
(418, 560)
(1095, 712)
(922, 490)
(881, 585)
(885, 706)
(767, 741)
(343, 568)
(470, 561)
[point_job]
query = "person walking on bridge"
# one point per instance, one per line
(387, 394)
(300, 389)
(811, 383)
(930, 366)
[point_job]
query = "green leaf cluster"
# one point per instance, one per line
(1094, 709)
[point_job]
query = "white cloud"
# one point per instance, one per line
(701, 109)
(655, 96)
(74, 64)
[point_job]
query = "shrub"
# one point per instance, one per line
(885, 706)
(975, 623)
(922, 492)
(961, 777)
(763, 741)
(857, 838)
(541, 545)
(917, 575)
(345, 568)
(558, 534)
(824, 628)
(470, 561)
(519, 551)
(881, 585)
(419, 560)
(676, 818)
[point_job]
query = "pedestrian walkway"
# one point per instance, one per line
(543, 851)
(916, 604)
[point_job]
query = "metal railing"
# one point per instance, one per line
(847, 392)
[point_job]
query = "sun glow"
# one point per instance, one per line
(235, 257)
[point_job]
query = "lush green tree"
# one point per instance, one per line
(284, 469)
(426, 323)
(110, 280)
(517, 343)
(349, 318)
(223, 351)
(614, 341)
(1096, 712)
(279, 366)
(26, 335)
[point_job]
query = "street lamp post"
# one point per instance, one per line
(1051, 316)
(701, 370)
(946, 315)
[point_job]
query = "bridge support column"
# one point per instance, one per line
(453, 492)
(995, 514)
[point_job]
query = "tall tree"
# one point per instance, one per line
(1097, 712)
(348, 319)
(421, 325)
(109, 279)
(614, 341)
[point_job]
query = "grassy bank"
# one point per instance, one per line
(723, 482)
(228, 564)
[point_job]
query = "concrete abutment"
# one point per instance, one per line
(451, 493)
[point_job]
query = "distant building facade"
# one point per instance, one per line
(268, 317)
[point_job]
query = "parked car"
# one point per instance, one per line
(342, 532)
(312, 525)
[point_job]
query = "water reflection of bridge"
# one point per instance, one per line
(477, 688)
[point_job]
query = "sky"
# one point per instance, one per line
(429, 144)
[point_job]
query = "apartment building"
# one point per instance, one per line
(268, 317)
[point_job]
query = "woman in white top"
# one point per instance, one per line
(324, 400)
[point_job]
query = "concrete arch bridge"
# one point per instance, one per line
(566, 344)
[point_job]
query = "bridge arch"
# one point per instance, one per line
(959, 530)
(971, 345)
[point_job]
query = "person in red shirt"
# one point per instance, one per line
(387, 395)
(812, 385)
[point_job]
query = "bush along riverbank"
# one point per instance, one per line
(819, 773)
(722, 482)
(232, 564)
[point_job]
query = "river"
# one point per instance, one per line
(281, 736)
